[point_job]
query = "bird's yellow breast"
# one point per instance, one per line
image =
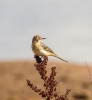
(38, 50)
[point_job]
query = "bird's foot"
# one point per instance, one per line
(38, 59)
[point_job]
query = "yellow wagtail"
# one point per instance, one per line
(41, 49)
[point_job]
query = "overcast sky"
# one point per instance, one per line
(67, 25)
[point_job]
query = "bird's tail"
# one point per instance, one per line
(60, 58)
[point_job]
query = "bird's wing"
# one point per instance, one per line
(46, 48)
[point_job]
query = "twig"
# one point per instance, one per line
(90, 77)
(50, 83)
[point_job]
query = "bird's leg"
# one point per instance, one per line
(38, 59)
(41, 57)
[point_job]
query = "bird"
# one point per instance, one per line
(40, 49)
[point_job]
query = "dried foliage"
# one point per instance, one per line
(90, 75)
(50, 83)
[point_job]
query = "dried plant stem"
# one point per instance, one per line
(90, 77)
(50, 83)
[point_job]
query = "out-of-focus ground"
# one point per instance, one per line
(13, 85)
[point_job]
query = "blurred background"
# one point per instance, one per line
(67, 27)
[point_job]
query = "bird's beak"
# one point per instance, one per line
(43, 38)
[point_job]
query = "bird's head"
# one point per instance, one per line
(37, 38)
